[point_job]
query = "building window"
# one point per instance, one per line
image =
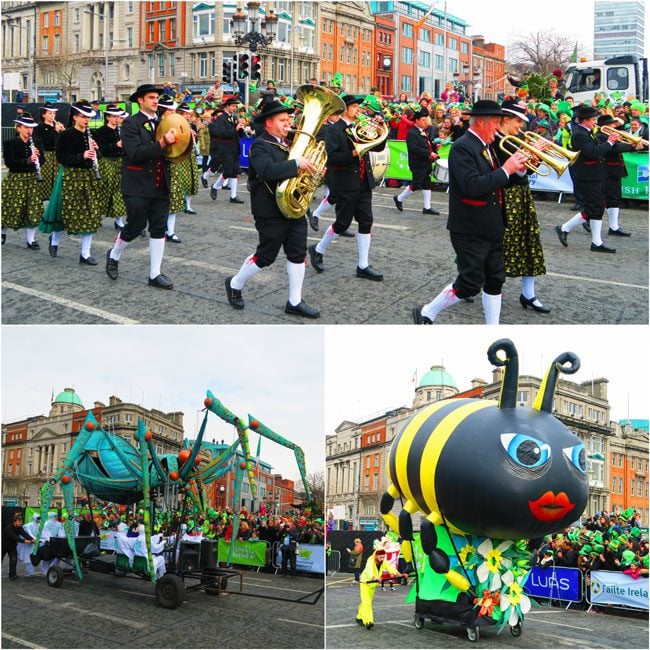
(204, 23)
(367, 462)
(129, 7)
(57, 18)
(440, 39)
(151, 31)
(632, 486)
(407, 30)
(407, 55)
(77, 14)
(46, 20)
(161, 30)
(57, 43)
(425, 59)
(406, 83)
(439, 61)
(203, 65)
(464, 47)
(45, 44)
(376, 460)
(522, 396)
(425, 36)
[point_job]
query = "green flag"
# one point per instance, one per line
(574, 56)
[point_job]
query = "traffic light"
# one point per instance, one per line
(243, 66)
(256, 68)
(227, 76)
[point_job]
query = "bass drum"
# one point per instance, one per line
(441, 170)
(379, 160)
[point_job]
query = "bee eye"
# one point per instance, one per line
(577, 457)
(525, 450)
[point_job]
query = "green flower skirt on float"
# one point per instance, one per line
(522, 246)
(22, 203)
(74, 204)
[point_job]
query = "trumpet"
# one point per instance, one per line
(623, 135)
(537, 159)
(552, 149)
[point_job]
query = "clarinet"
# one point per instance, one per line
(37, 164)
(197, 152)
(94, 160)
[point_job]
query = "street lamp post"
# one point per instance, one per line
(253, 39)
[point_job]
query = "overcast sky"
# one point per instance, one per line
(370, 371)
(274, 373)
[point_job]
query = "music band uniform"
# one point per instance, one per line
(48, 134)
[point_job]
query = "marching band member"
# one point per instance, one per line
(421, 155)
(475, 216)
(109, 141)
(268, 167)
(522, 244)
(47, 132)
(352, 177)
(188, 167)
(80, 190)
(588, 176)
(145, 185)
(227, 130)
(22, 200)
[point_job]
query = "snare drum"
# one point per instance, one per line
(379, 161)
(441, 170)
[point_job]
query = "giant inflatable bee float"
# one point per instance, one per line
(487, 468)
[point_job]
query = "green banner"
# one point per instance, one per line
(399, 165)
(252, 553)
(635, 185)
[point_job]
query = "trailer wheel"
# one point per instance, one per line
(472, 633)
(418, 621)
(515, 630)
(55, 576)
(169, 591)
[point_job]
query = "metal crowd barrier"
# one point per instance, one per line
(333, 562)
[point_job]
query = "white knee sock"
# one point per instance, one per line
(327, 239)
(226, 183)
(120, 222)
(171, 224)
(406, 192)
(324, 206)
(86, 240)
(491, 307)
(188, 202)
(218, 183)
(613, 218)
(446, 298)
(118, 247)
(426, 197)
(528, 286)
(5, 230)
(573, 222)
(296, 273)
(156, 250)
(233, 188)
(596, 230)
(57, 237)
(248, 269)
(363, 245)
(30, 233)
(208, 173)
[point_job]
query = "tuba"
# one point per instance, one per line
(294, 195)
(181, 149)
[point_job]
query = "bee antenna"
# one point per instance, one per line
(508, 396)
(544, 399)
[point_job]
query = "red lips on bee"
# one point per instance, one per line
(550, 507)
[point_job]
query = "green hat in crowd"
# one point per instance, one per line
(585, 550)
(372, 103)
(614, 544)
(543, 107)
(597, 537)
(337, 80)
(597, 548)
(626, 514)
(644, 560)
(628, 557)
(635, 532)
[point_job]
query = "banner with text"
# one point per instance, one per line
(250, 553)
(614, 588)
(559, 583)
(311, 558)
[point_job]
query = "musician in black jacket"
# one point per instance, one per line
(269, 166)
(22, 201)
(352, 178)
(225, 132)
(145, 185)
(421, 156)
(476, 221)
(47, 132)
(588, 177)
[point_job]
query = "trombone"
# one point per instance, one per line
(624, 136)
(552, 148)
(557, 158)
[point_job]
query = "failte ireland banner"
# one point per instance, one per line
(250, 553)
(614, 588)
(311, 558)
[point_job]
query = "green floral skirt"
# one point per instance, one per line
(188, 171)
(22, 200)
(111, 200)
(176, 194)
(49, 170)
(80, 201)
(522, 245)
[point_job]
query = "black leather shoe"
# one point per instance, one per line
(418, 318)
(301, 309)
(575, 207)
(587, 226)
(204, 182)
(213, 193)
(236, 200)
(111, 265)
(313, 221)
(90, 260)
(359, 621)
(34, 246)
(4, 238)
(162, 282)
(469, 299)
(346, 233)
(429, 211)
(52, 250)
(398, 204)
(116, 226)
(190, 211)
(234, 295)
(562, 236)
(530, 302)
(316, 259)
(369, 274)
(173, 238)
(143, 233)
(602, 249)
(619, 232)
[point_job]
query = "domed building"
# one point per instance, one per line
(435, 385)
(66, 402)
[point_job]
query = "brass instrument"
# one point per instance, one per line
(367, 134)
(624, 136)
(294, 195)
(553, 149)
(181, 149)
(535, 158)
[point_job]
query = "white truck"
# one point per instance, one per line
(627, 75)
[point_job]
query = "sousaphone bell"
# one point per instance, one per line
(181, 149)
